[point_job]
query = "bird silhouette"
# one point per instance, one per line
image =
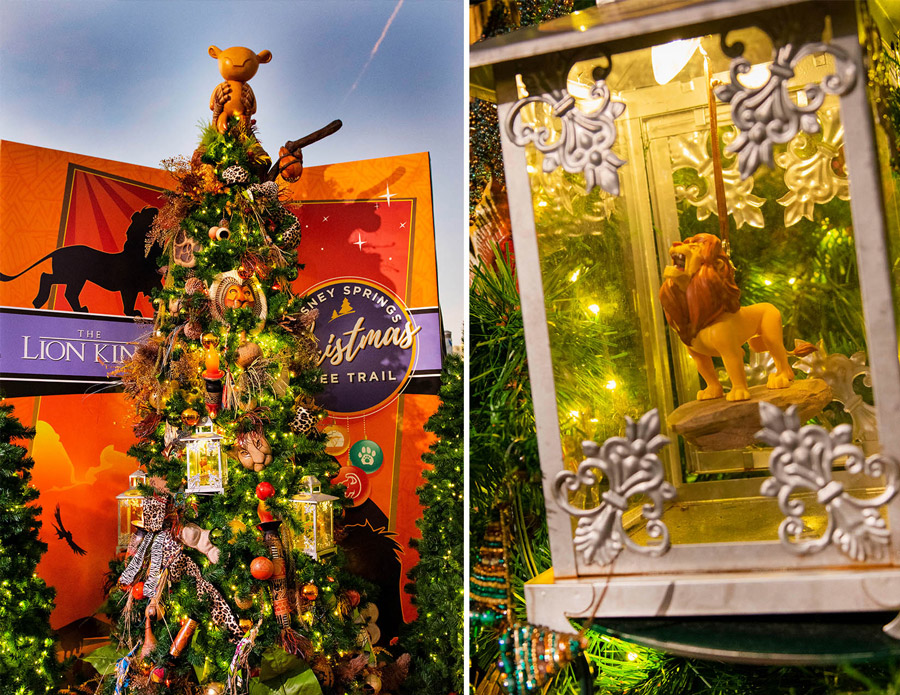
(61, 532)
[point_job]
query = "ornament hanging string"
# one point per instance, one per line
(721, 203)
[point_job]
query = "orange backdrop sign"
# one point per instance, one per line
(72, 266)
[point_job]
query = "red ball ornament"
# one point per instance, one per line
(137, 591)
(353, 597)
(158, 675)
(264, 490)
(262, 568)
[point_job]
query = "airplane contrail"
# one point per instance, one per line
(374, 50)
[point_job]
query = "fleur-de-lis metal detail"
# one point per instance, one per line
(814, 171)
(840, 372)
(767, 115)
(802, 460)
(689, 151)
(584, 143)
(632, 467)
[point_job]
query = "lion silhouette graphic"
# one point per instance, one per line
(127, 272)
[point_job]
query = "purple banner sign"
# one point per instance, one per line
(372, 346)
(44, 351)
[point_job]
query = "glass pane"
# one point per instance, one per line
(788, 249)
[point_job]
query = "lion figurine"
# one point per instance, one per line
(702, 303)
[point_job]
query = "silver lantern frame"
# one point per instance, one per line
(126, 503)
(204, 436)
(698, 578)
(310, 505)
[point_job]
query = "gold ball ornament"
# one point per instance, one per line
(190, 417)
(243, 602)
(214, 688)
(207, 340)
(310, 592)
(245, 624)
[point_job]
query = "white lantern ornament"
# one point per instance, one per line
(130, 509)
(722, 499)
(204, 460)
(315, 511)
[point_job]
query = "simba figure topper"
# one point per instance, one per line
(234, 97)
(702, 303)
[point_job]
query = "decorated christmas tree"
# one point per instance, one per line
(27, 654)
(435, 639)
(231, 578)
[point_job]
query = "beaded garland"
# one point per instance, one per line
(529, 655)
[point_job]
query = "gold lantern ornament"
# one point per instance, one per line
(315, 510)
(130, 509)
(204, 460)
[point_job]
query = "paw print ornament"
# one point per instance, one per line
(366, 455)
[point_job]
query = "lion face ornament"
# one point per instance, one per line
(253, 451)
(237, 296)
(231, 291)
(702, 303)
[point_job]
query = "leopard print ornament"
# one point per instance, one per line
(304, 420)
(290, 238)
(267, 189)
(235, 174)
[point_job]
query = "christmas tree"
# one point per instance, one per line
(27, 654)
(231, 577)
(435, 639)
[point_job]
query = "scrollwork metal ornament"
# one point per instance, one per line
(585, 140)
(767, 115)
(803, 460)
(632, 467)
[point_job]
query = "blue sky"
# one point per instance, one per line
(130, 80)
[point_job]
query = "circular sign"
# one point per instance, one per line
(367, 342)
(357, 483)
(338, 439)
(367, 455)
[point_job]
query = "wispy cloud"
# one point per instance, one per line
(374, 51)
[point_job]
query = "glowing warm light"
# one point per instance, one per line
(542, 204)
(530, 169)
(575, 275)
(595, 308)
(611, 384)
(767, 282)
(574, 413)
(670, 58)
(758, 76)
(792, 281)
(632, 656)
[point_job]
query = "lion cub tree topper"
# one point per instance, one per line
(234, 97)
(702, 303)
